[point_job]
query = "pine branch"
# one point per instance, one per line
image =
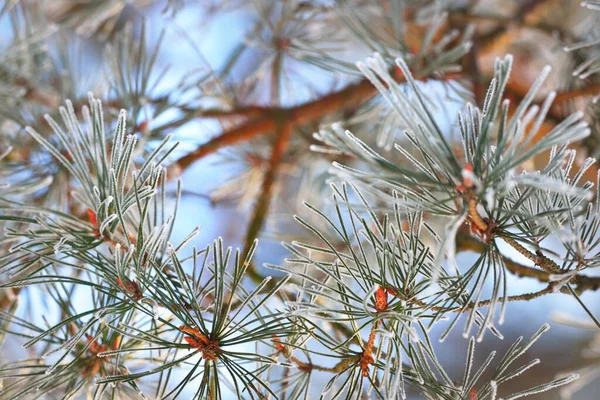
(264, 121)
(517, 297)
(367, 284)
(466, 242)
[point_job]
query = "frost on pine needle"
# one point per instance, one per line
(478, 186)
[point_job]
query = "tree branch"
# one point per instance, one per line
(315, 110)
(261, 208)
(517, 297)
(465, 242)
(592, 89)
(266, 123)
(263, 119)
(248, 130)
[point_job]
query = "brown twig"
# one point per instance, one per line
(473, 70)
(487, 302)
(516, 297)
(237, 111)
(246, 131)
(475, 217)
(466, 242)
(299, 115)
(539, 259)
(285, 350)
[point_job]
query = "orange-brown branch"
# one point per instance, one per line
(367, 356)
(261, 208)
(246, 131)
(475, 217)
(592, 89)
(349, 97)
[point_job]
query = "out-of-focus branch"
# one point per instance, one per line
(263, 202)
(312, 111)
(463, 18)
(238, 111)
(473, 70)
(246, 131)
(592, 89)
(294, 116)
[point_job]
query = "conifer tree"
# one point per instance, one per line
(411, 156)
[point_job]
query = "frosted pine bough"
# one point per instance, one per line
(362, 302)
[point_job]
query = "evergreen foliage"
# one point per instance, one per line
(105, 303)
